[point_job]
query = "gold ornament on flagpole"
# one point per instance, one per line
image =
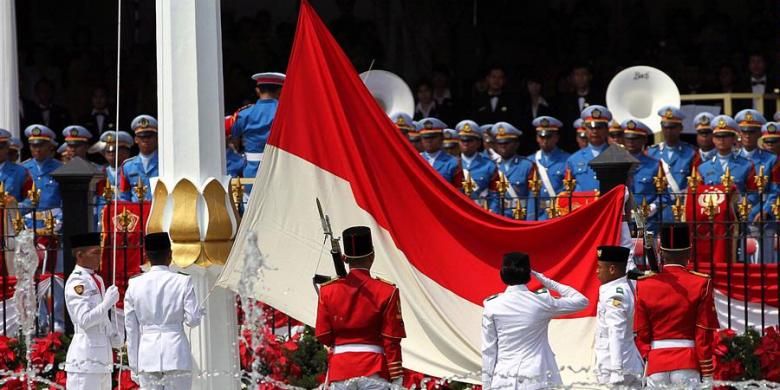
(644, 209)
(140, 189)
(743, 209)
(711, 209)
(569, 182)
(108, 191)
(503, 184)
(34, 194)
(553, 210)
(776, 206)
(2, 195)
(48, 224)
(519, 212)
(694, 180)
(18, 223)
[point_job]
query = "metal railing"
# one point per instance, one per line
(727, 99)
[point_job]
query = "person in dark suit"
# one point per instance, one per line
(495, 104)
(758, 81)
(426, 105)
(533, 105)
(100, 117)
(45, 111)
(569, 106)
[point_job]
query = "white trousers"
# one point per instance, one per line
(165, 380)
(88, 381)
(679, 379)
(374, 382)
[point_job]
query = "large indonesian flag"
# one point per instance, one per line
(330, 140)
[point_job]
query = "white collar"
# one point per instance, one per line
(462, 157)
(85, 269)
(762, 78)
(159, 268)
(517, 287)
(147, 157)
(619, 280)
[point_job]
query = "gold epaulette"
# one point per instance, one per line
(703, 275)
(383, 280)
(647, 275)
(491, 297)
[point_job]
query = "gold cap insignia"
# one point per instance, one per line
(545, 122)
(631, 125)
(110, 138)
(596, 113)
(74, 133)
(669, 114)
(143, 122)
(749, 116)
(771, 128)
(501, 130)
(467, 128)
(428, 125)
(722, 124)
(400, 121)
(704, 120)
(36, 131)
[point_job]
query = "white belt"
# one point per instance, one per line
(253, 156)
(672, 343)
(357, 348)
(162, 328)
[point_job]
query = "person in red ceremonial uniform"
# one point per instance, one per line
(359, 318)
(675, 319)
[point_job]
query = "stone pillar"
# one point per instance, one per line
(612, 167)
(190, 200)
(9, 70)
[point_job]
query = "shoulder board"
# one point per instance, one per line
(647, 275)
(244, 108)
(540, 291)
(655, 146)
(76, 272)
(492, 297)
(334, 280)
(703, 275)
(385, 281)
(182, 273)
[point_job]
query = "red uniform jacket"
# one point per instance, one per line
(359, 309)
(675, 304)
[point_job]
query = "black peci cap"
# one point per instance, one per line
(157, 242)
(357, 242)
(612, 254)
(675, 237)
(84, 240)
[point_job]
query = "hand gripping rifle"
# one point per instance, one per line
(335, 249)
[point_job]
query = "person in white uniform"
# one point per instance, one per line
(158, 304)
(618, 362)
(89, 361)
(516, 352)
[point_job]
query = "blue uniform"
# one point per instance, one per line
(131, 170)
(253, 126)
(517, 170)
(577, 164)
(444, 163)
(14, 177)
(741, 170)
(642, 187)
(761, 158)
(482, 170)
(555, 164)
(234, 163)
(680, 160)
(50, 188)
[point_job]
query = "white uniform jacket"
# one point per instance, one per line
(158, 304)
(90, 349)
(516, 353)
(616, 352)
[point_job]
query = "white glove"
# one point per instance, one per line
(653, 209)
(615, 378)
(542, 279)
(111, 297)
(134, 377)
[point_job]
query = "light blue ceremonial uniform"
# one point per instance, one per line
(12, 175)
(741, 170)
(553, 163)
(480, 168)
(578, 165)
(50, 189)
(679, 159)
(517, 171)
(133, 169)
(443, 163)
(234, 163)
(253, 126)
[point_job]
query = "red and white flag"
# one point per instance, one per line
(330, 140)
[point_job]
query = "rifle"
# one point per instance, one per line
(335, 248)
(651, 255)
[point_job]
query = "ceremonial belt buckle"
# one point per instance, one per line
(672, 343)
(253, 156)
(344, 348)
